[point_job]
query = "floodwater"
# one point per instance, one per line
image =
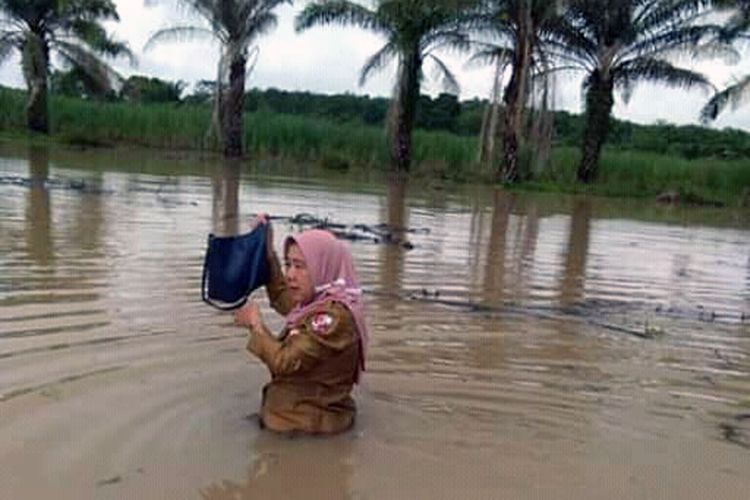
(528, 346)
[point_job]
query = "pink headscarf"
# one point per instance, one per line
(331, 269)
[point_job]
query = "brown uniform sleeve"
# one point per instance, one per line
(301, 351)
(278, 294)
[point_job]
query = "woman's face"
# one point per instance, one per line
(298, 279)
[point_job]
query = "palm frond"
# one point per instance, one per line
(252, 60)
(95, 36)
(340, 12)
(485, 23)
(715, 49)
(450, 39)
(563, 51)
(657, 71)
(220, 15)
(733, 96)
(654, 15)
(178, 34)
(448, 79)
(738, 24)
(586, 84)
(675, 40)
(254, 8)
(101, 74)
(256, 26)
(626, 88)
(553, 70)
(8, 42)
(560, 55)
(377, 62)
(562, 33)
(491, 55)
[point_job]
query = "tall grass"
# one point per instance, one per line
(644, 174)
(435, 154)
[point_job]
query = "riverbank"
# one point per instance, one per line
(341, 145)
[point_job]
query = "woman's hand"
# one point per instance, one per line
(264, 218)
(249, 316)
(261, 218)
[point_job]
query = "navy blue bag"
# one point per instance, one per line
(234, 266)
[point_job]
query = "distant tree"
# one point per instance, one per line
(73, 30)
(145, 90)
(620, 43)
(204, 91)
(236, 24)
(515, 32)
(76, 83)
(413, 30)
(375, 111)
(438, 114)
(737, 29)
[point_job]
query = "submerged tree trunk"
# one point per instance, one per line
(403, 111)
(541, 127)
(233, 106)
(37, 114)
(215, 129)
(36, 63)
(599, 102)
(515, 98)
(488, 134)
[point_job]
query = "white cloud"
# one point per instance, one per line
(328, 60)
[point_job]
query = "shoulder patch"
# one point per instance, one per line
(321, 323)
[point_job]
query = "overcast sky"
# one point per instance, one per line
(328, 60)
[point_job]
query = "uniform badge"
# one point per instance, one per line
(321, 323)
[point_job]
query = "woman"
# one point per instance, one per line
(320, 352)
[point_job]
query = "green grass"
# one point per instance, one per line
(643, 174)
(337, 145)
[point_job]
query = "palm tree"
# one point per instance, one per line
(620, 43)
(413, 29)
(236, 24)
(737, 28)
(71, 29)
(516, 30)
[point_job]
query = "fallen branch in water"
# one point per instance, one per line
(378, 233)
(424, 295)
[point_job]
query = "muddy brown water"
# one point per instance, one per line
(607, 357)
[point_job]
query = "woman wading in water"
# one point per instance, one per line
(320, 352)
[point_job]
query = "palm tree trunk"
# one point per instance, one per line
(216, 129)
(515, 98)
(599, 102)
(37, 114)
(488, 133)
(233, 104)
(403, 111)
(36, 66)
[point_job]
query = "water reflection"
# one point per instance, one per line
(574, 271)
(493, 286)
(396, 216)
(310, 468)
(39, 212)
(679, 276)
(89, 220)
(528, 233)
(225, 207)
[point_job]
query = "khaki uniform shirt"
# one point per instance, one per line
(312, 368)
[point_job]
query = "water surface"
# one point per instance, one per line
(527, 346)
